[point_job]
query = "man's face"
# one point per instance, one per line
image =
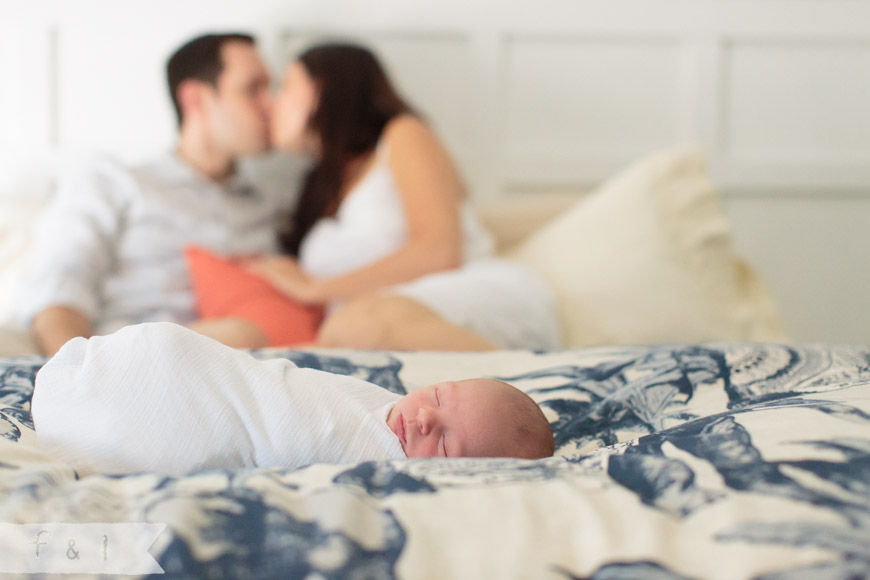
(237, 112)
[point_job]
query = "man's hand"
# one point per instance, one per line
(286, 276)
(57, 324)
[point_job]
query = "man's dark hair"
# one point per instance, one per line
(199, 59)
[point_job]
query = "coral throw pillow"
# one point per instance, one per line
(223, 288)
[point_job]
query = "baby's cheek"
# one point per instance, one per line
(420, 451)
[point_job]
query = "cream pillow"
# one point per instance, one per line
(648, 258)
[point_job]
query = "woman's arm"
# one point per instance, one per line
(431, 193)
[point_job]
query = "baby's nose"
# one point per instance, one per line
(426, 420)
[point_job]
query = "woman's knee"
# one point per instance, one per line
(234, 332)
(372, 322)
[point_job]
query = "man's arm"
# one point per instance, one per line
(55, 325)
(76, 242)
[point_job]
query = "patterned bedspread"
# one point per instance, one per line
(700, 461)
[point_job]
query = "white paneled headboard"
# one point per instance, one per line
(530, 95)
(527, 93)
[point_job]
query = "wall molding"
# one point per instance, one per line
(691, 42)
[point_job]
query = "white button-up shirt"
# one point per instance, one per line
(112, 242)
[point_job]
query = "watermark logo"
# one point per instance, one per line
(78, 548)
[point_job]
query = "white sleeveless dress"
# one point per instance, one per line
(500, 300)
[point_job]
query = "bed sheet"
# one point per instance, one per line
(685, 461)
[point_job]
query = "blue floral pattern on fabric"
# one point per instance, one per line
(673, 462)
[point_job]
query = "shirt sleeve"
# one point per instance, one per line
(76, 241)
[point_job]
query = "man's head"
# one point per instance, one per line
(220, 89)
(471, 418)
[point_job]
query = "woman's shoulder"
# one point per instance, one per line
(407, 129)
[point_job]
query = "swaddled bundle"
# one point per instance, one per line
(159, 397)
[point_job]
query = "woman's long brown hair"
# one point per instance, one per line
(357, 100)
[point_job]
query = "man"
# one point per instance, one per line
(110, 249)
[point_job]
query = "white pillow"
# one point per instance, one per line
(648, 258)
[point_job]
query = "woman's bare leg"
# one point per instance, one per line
(234, 332)
(395, 323)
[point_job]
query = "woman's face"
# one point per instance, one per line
(296, 104)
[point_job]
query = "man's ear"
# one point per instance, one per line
(190, 97)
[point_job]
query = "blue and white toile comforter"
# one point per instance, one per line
(714, 461)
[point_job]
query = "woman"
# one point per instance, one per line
(383, 234)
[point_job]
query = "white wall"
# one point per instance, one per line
(531, 95)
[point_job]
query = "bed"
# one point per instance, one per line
(708, 460)
(699, 443)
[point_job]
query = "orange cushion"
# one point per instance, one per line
(223, 288)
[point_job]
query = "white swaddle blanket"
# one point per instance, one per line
(159, 397)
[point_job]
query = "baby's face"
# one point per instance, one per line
(453, 419)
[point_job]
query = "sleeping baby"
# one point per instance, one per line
(159, 397)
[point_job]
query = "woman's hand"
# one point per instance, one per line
(285, 275)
